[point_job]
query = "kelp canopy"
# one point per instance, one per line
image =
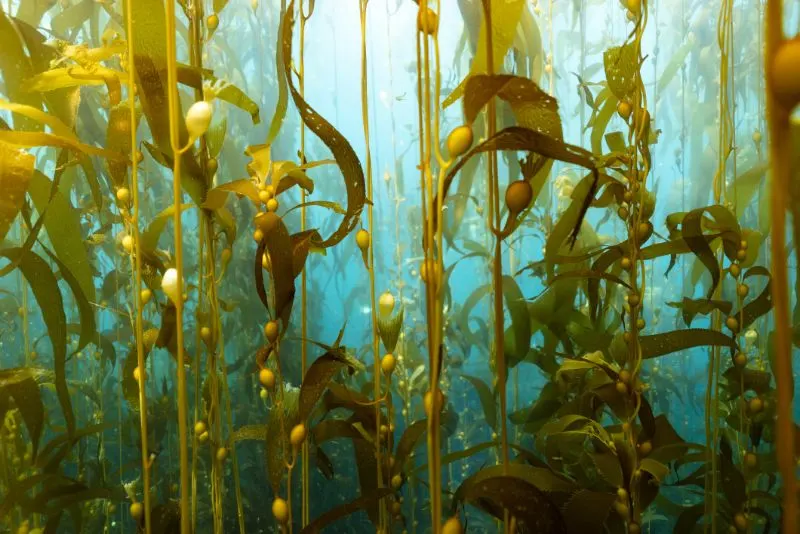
(399, 266)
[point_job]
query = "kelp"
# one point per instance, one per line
(343, 153)
(20, 385)
(277, 243)
(16, 170)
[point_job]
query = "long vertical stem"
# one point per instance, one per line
(780, 150)
(305, 475)
(371, 258)
(174, 117)
(137, 289)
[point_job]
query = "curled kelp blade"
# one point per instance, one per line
(343, 153)
(278, 245)
(317, 377)
(389, 329)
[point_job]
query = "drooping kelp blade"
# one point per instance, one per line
(518, 336)
(20, 384)
(692, 234)
(278, 244)
(533, 108)
(317, 377)
(15, 69)
(342, 152)
(283, 97)
(760, 305)
(506, 15)
(524, 139)
(82, 301)
(150, 59)
(487, 398)
(621, 66)
(517, 492)
(16, 168)
(669, 342)
(344, 510)
(48, 297)
(63, 227)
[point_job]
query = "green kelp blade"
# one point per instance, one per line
(692, 233)
(63, 227)
(283, 98)
(517, 138)
(487, 398)
(317, 377)
(506, 16)
(15, 69)
(455, 456)
(660, 344)
(249, 433)
(88, 329)
(20, 385)
(494, 492)
(278, 244)
(622, 66)
(343, 153)
(27, 139)
(518, 335)
(690, 308)
(149, 238)
(32, 11)
(759, 306)
(330, 429)
(411, 438)
(48, 296)
(533, 108)
(343, 510)
(130, 387)
(389, 329)
(150, 59)
(16, 170)
(72, 17)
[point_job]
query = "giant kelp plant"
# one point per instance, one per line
(569, 307)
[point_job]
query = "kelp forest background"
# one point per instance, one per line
(399, 266)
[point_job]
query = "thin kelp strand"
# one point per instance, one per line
(137, 287)
(174, 117)
(305, 473)
(780, 150)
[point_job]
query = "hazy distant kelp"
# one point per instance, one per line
(398, 266)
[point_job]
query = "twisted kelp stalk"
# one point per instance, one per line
(137, 288)
(778, 114)
(174, 117)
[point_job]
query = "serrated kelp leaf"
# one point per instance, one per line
(533, 108)
(389, 329)
(586, 511)
(487, 398)
(621, 66)
(72, 17)
(344, 510)
(616, 141)
(692, 234)
(249, 433)
(15, 68)
(317, 377)
(63, 226)
(343, 153)
(506, 16)
(150, 59)
(493, 492)
(660, 344)
(216, 198)
(20, 385)
(278, 245)
(16, 169)
(690, 308)
(149, 238)
(759, 306)
(48, 297)
(411, 438)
